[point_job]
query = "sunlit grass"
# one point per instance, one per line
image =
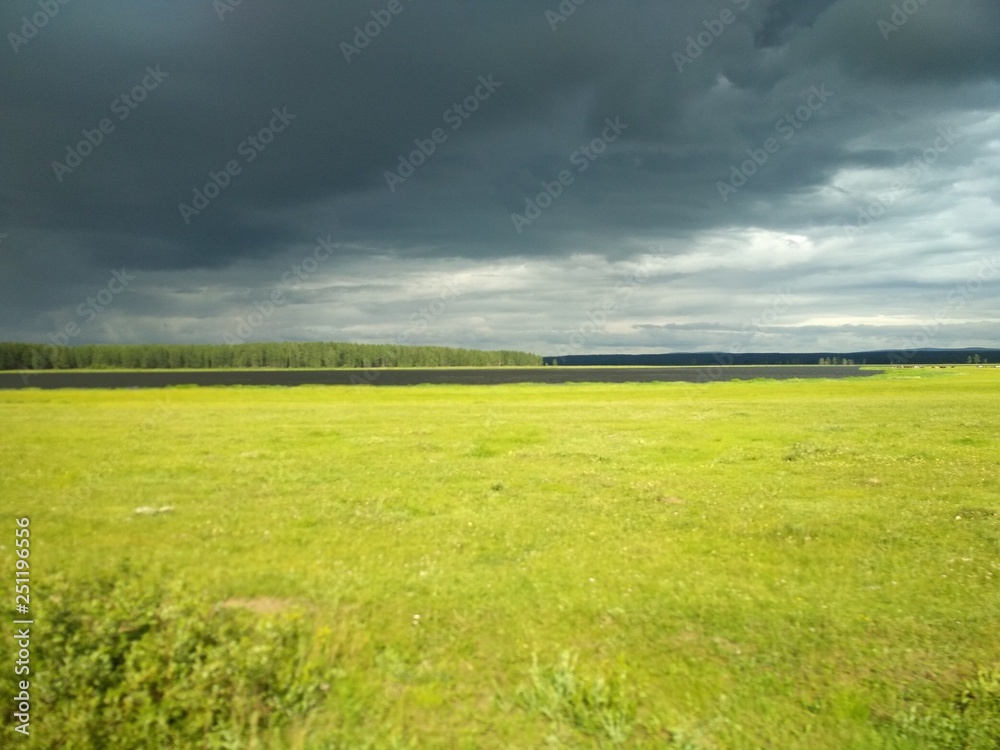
(729, 565)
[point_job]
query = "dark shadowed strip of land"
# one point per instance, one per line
(434, 376)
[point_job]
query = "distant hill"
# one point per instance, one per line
(712, 359)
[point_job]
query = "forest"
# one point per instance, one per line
(32, 356)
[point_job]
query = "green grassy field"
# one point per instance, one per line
(797, 564)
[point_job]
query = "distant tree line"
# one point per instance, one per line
(27, 356)
(711, 359)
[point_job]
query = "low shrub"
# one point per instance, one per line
(600, 706)
(118, 662)
(970, 720)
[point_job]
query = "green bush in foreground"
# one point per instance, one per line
(599, 706)
(124, 664)
(970, 721)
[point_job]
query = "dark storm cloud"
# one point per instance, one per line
(786, 17)
(223, 140)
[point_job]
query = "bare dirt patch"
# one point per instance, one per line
(261, 605)
(670, 500)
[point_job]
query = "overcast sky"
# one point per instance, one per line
(595, 176)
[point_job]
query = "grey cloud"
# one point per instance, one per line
(656, 186)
